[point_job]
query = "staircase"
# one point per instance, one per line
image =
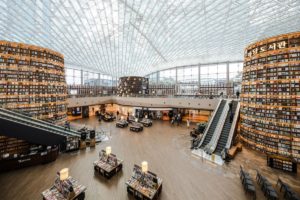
(213, 125)
(225, 131)
(21, 126)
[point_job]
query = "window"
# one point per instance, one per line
(188, 74)
(167, 76)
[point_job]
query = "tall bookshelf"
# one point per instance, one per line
(32, 80)
(133, 86)
(270, 97)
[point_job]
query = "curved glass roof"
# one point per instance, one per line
(136, 37)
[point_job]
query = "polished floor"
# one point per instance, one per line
(165, 147)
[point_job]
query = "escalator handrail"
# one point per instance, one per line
(233, 125)
(217, 133)
(9, 118)
(209, 124)
(18, 119)
(49, 125)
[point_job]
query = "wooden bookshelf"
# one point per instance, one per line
(270, 99)
(32, 80)
(133, 86)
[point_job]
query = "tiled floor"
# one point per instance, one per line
(165, 147)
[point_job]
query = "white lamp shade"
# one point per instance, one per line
(144, 166)
(64, 174)
(108, 150)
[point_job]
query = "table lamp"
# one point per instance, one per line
(64, 174)
(108, 150)
(144, 166)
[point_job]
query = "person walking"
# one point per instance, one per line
(237, 94)
(231, 117)
(178, 119)
(118, 114)
(230, 106)
(172, 120)
(188, 123)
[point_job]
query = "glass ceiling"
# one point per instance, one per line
(137, 37)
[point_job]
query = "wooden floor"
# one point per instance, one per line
(165, 147)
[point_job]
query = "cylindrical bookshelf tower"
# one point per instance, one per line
(32, 79)
(270, 99)
(133, 86)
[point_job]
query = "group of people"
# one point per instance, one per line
(176, 119)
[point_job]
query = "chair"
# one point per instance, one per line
(268, 189)
(288, 192)
(280, 183)
(247, 183)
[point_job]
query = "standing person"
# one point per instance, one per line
(178, 119)
(188, 123)
(231, 117)
(173, 120)
(67, 125)
(237, 94)
(118, 114)
(230, 106)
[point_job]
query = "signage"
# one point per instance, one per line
(267, 47)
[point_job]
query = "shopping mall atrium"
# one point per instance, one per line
(149, 99)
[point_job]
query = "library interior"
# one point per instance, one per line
(150, 99)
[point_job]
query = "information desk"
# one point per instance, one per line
(122, 123)
(60, 190)
(136, 127)
(146, 122)
(144, 186)
(107, 165)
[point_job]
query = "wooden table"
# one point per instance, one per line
(107, 170)
(54, 194)
(135, 188)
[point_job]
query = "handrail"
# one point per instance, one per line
(233, 125)
(49, 125)
(209, 124)
(31, 122)
(9, 118)
(211, 146)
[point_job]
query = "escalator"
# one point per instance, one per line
(21, 126)
(226, 130)
(213, 125)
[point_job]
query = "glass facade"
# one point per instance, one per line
(188, 74)
(192, 79)
(208, 74)
(80, 77)
(167, 76)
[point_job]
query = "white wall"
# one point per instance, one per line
(204, 104)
